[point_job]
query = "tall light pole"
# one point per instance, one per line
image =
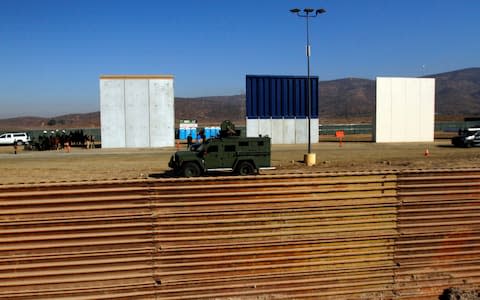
(307, 14)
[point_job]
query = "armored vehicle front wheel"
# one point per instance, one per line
(245, 168)
(190, 169)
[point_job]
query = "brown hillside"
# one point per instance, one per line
(343, 100)
(88, 120)
(346, 100)
(458, 93)
(211, 110)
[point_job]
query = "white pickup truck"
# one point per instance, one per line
(15, 137)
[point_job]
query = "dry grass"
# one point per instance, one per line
(105, 164)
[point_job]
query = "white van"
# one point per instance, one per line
(15, 137)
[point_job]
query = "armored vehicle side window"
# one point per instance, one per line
(260, 143)
(243, 144)
(213, 149)
(229, 148)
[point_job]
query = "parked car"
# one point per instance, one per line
(14, 137)
(467, 138)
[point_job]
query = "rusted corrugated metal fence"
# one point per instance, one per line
(385, 235)
(438, 242)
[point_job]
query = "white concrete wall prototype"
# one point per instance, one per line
(284, 131)
(405, 110)
(301, 131)
(162, 120)
(112, 117)
(277, 131)
(252, 127)
(314, 137)
(265, 127)
(137, 111)
(289, 131)
(427, 108)
(137, 116)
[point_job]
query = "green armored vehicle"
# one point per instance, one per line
(226, 152)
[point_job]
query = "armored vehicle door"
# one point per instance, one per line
(229, 155)
(219, 155)
(211, 156)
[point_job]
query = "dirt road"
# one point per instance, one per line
(105, 164)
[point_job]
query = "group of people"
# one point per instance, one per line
(62, 140)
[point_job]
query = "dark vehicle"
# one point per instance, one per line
(467, 138)
(227, 152)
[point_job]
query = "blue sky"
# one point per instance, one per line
(52, 52)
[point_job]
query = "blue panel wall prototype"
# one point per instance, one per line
(280, 96)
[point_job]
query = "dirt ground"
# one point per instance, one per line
(105, 164)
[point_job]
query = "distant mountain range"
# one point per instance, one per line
(344, 100)
(457, 95)
(211, 110)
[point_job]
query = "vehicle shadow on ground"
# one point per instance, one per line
(166, 174)
(171, 174)
(447, 146)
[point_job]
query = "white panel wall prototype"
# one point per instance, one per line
(301, 131)
(252, 127)
(277, 131)
(288, 131)
(405, 110)
(137, 117)
(265, 127)
(137, 111)
(314, 136)
(162, 118)
(284, 131)
(112, 113)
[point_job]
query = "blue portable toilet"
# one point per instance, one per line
(182, 134)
